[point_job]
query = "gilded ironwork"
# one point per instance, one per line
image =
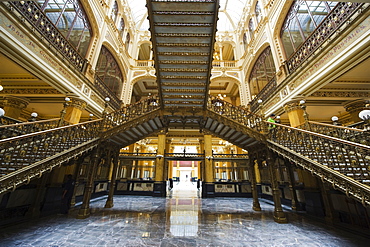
(335, 19)
(31, 11)
(343, 164)
(23, 128)
(351, 134)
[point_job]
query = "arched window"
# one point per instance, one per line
(121, 28)
(70, 19)
(245, 40)
(114, 12)
(251, 27)
(108, 71)
(128, 38)
(257, 10)
(263, 72)
(301, 21)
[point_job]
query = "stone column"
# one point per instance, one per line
(201, 163)
(74, 110)
(295, 113)
(14, 105)
(84, 211)
(354, 107)
(159, 182)
(256, 203)
(208, 187)
(112, 185)
(279, 215)
(293, 193)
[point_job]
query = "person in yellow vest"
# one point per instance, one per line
(271, 119)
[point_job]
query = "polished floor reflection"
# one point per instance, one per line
(181, 219)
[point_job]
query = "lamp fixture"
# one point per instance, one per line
(2, 112)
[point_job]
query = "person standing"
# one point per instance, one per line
(271, 119)
(68, 188)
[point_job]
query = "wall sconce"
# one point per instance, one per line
(2, 112)
(91, 117)
(64, 110)
(33, 117)
(106, 104)
(335, 120)
(159, 156)
(1, 88)
(209, 157)
(365, 116)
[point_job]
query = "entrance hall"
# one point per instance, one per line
(183, 218)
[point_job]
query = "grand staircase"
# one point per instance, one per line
(183, 36)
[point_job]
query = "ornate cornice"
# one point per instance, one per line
(15, 102)
(31, 91)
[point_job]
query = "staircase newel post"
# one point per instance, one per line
(290, 174)
(279, 215)
(84, 211)
(256, 203)
(112, 185)
(77, 178)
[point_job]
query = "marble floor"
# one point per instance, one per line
(181, 219)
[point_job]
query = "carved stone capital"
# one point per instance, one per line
(78, 103)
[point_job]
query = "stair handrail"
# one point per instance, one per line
(22, 128)
(340, 154)
(236, 113)
(342, 132)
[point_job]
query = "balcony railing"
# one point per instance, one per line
(31, 11)
(106, 92)
(263, 94)
(144, 63)
(338, 16)
(225, 64)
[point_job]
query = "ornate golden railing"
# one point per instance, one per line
(27, 156)
(344, 164)
(264, 94)
(31, 12)
(339, 15)
(236, 113)
(131, 112)
(22, 128)
(341, 132)
(105, 91)
(4, 120)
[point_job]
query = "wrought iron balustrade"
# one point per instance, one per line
(226, 64)
(25, 157)
(22, 128)
(341, 132)
(4, 120)
(105, 91)
(144, 63)
(344, 164)
(137, 155)
(130, 112)
(230, 157)
(235, 113)
(31, 11)
(335, 19)
(263, 94)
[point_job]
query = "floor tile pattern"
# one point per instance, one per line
(180, 220)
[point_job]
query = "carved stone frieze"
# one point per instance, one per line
(342, 93)
(30, 91)
(15, 102)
